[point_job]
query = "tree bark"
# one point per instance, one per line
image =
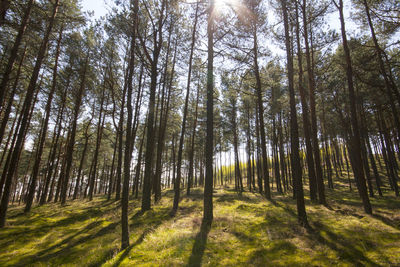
(14, 51)
(209, 148)
(294, 130)
(355, 136)
(25, 116)
(43, 133)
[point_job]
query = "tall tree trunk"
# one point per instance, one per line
(314, 128)
(100, 125)
(163, 120)
(305, 113)
(386, 78)
(64, 176)
(14, 51)
(185, 111)
(25, 116)
(53, 152)
(82, 161)
(128, 150)
(7, 110)
(191, 150)
(355, 136)
(294, 130)
(148, 170)
(260, 110)
(209, 148)
(43, 133)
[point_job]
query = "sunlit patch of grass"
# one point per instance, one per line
(246, 230)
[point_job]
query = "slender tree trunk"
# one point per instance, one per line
(185, 111)
(209, 148)
(25, 116)
(260, 110)
(148, 171)
(386, 78)
(355, 136)
(64, 176)
(43, 133)
(82, 161)
(14, 50)
(314, 128)
(53, 151)
(294, 130)
(7, 111)
(128, 149)
(305, 113)
(191, 151)
(100, 125)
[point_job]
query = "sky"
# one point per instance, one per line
(99, 7)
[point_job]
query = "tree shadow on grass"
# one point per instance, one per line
(199, 246)
(137, 242)
(392, 223)
(344, 247)
(153, 219)
(45, 255)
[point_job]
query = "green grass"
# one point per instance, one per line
(247, 230)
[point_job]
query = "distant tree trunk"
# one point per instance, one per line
(282, 153)
(238, 173)
(139, 165)
(386, 78)
(249, 164)
(120, 145)
(82, 161)
(191, 151)
(112, 181)
(53, 152)
(294, 130)
(390, 159)
(373, 164)
(100, 125)
(355, 136)
(259, 164)
(64, 176)
(25, 116)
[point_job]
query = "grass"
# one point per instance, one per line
(247, 230)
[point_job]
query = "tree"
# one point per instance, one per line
(208, 181)
(25, 117)
(355, 134)
(128, 148)
(294, 131)
(185, 111)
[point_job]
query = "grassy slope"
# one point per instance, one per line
(246, 230)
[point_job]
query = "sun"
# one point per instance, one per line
(222, 4)
(223, 7)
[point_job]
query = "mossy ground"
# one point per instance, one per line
(247, 230)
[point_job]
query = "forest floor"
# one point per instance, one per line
(247, 230)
